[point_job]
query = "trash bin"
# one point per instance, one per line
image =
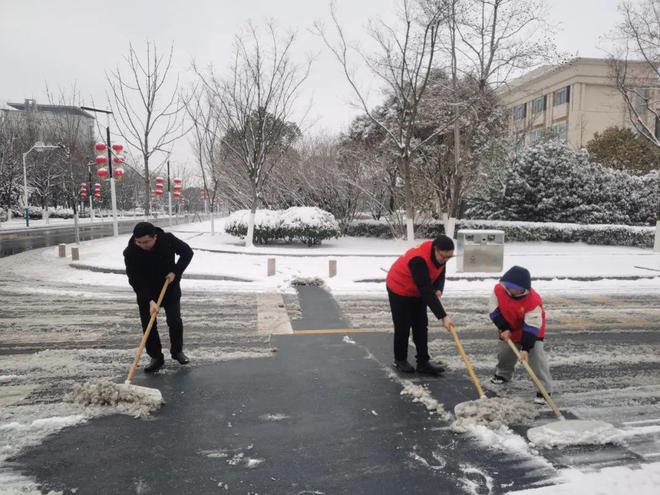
(480, 250)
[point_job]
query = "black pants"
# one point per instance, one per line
(409, 312)
(174, 323)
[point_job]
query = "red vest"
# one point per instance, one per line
(399, 279)
(514, 310)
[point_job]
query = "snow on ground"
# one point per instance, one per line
(643, 480)
(358, 259)
(362, 264)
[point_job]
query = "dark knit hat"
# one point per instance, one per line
(444, 243)
(144, 228)
(518, 276)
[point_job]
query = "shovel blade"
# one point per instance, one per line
(572, 432)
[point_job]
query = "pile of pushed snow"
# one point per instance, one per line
(103, 393)
(494, 413)
(309, 225)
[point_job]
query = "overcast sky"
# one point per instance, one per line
(67, 42)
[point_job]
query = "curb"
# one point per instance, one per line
(191, 276)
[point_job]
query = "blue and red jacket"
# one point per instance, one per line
(418, 274)
(524, 316)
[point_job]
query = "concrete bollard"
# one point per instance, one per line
(75, 254)
(271, 267)
(61, 249)
(332, 268)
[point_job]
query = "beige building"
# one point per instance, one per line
(51, 119)
(573, 101)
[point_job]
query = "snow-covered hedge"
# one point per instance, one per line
(266, 225)
(602, 234)
(36, 212)
(306, 224)
(550, 182)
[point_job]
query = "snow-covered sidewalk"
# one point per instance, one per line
(362, 264)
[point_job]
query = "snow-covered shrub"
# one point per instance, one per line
(38, 213)
(603, 234)
(267, 225)
(307, 224)
(369, 228)
(550, 182)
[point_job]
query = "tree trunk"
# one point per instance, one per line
(249, 239)
(147, 188)
(410, 209)
(656, 244)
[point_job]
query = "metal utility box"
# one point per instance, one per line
(480, 250)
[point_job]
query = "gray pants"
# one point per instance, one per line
(506, 363)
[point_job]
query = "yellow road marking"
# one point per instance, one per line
(342, 330)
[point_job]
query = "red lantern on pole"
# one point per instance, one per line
(83, 191)
(100, 148)
(117, 148)
(159, 186)
(101, 160)
(102, 172)
(97, 191)
(119, 173)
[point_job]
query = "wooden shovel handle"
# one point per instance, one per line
(536, 381)
(143, 342)
(468, 365)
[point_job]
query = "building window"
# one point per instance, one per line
(520, 111)
(538, 104)
(536, 135)
(562, 95)
(560, 130)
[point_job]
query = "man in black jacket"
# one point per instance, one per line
(149, 259)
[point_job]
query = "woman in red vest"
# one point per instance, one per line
(414, 282)
(517, 311)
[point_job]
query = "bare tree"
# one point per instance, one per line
(638, 80)
(70, 130)
(403, 63)
(147, 113)
(636, 66)
(13, 141)
(205, 141)
(486, 43)
(254, 106)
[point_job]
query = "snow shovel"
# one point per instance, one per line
(468, 365)
(565, 431)
(150, 393)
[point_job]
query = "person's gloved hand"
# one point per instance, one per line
(505, 335)
(171, 276)
(524, 356)
(153, 307)
(446, 322)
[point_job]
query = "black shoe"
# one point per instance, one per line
(428, 368)
(404, 366)
(539, 399)
(154, 365)
(181, 357)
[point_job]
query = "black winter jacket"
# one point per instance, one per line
(146, 270)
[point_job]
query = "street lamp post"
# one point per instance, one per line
(38, 146)
(113, 196)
